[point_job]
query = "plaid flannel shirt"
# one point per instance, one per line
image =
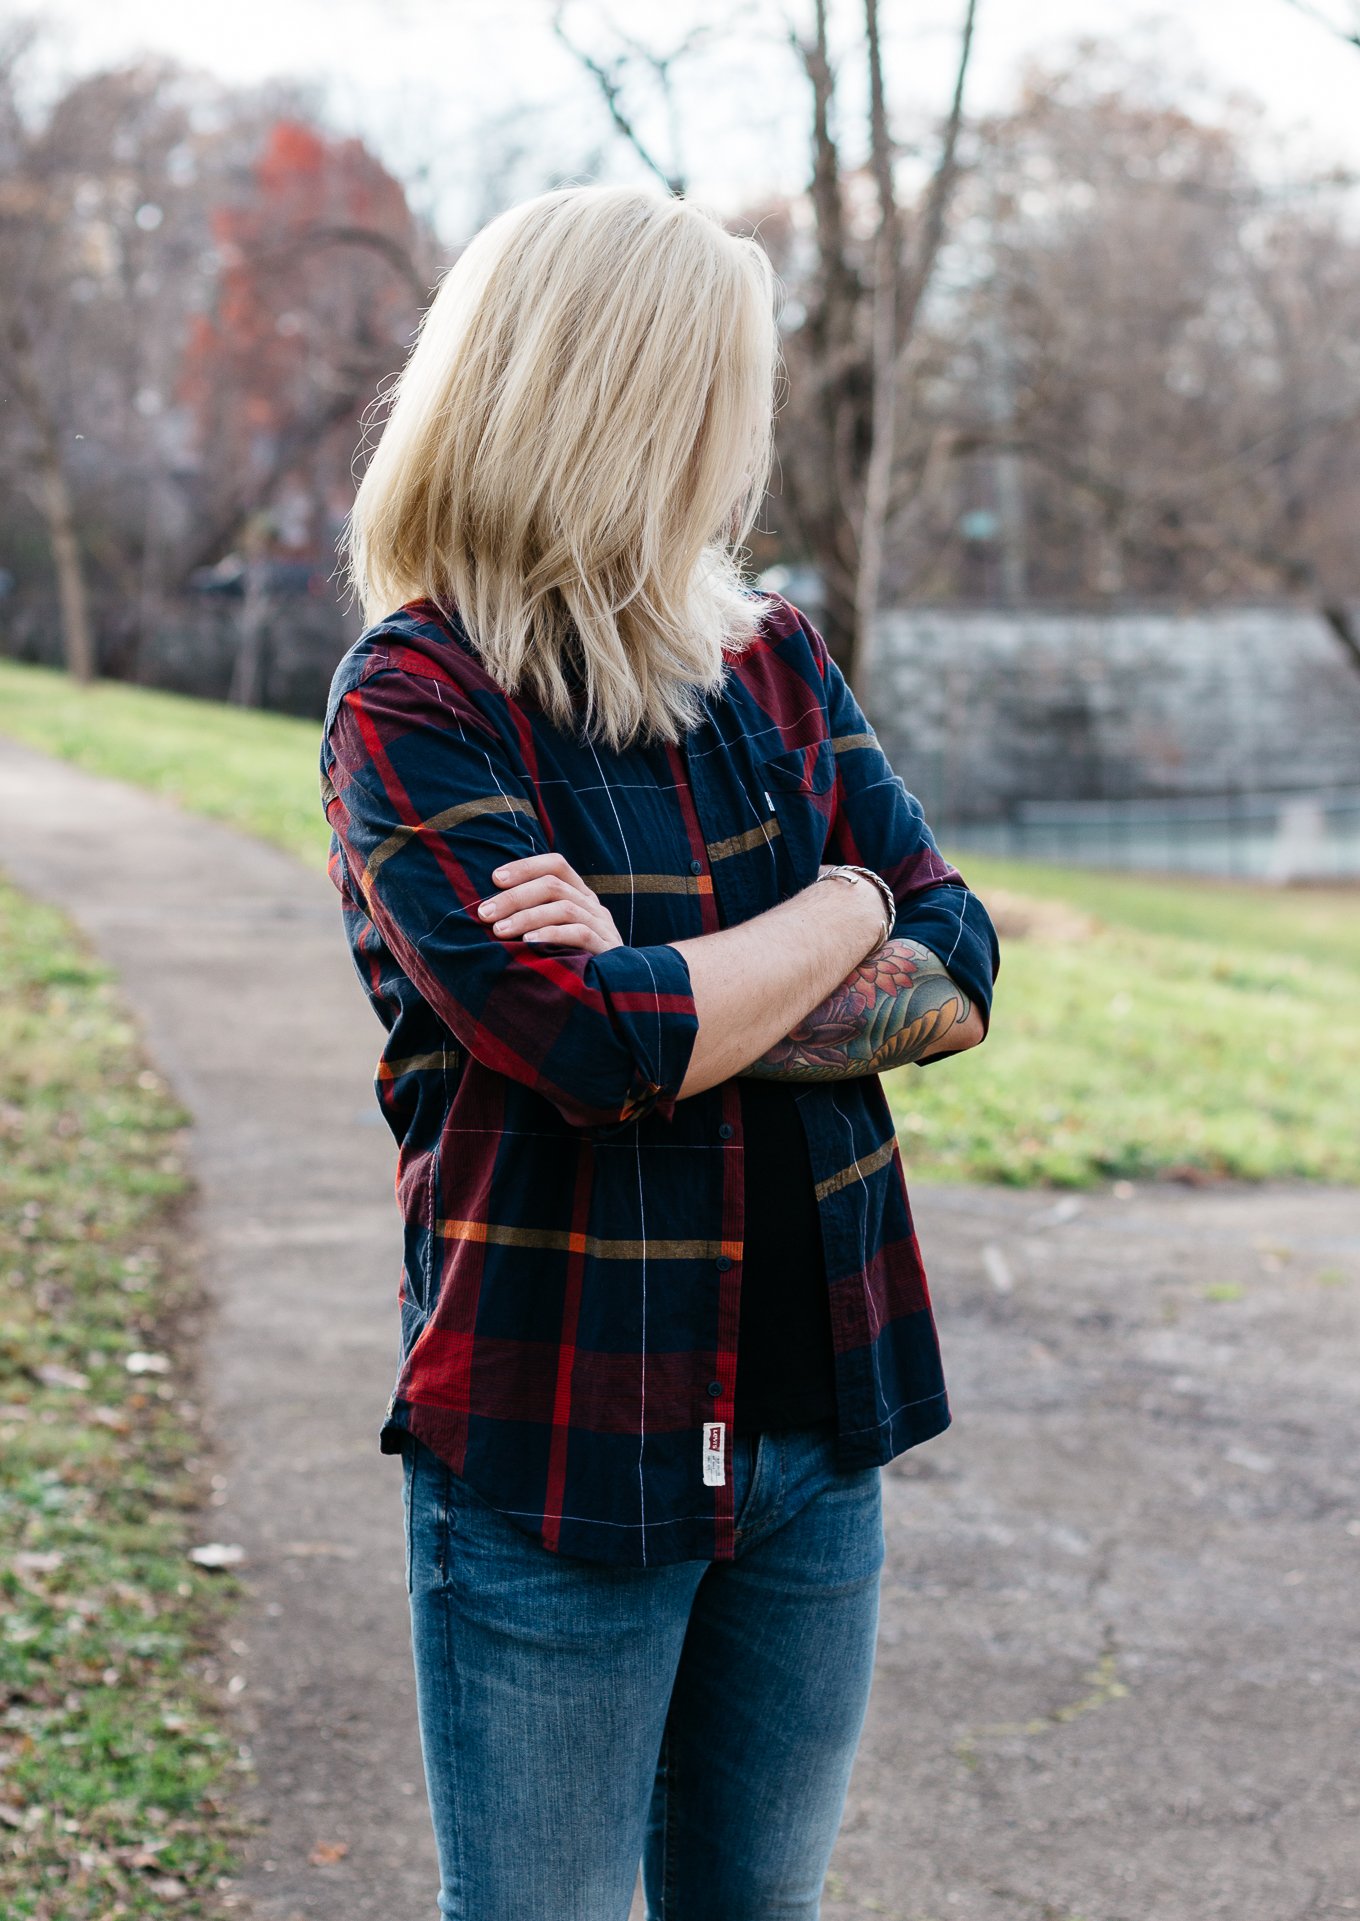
(572, 1231)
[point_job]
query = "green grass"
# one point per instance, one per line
(1202, 1029)
(1321, 923)
(113, 1745)
(1206, 1029)
(254, 770)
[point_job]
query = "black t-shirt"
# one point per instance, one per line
(785, 1373)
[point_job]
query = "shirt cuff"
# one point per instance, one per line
(651, 1001)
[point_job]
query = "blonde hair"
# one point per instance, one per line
(578, 445)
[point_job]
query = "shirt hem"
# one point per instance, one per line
(684, 1537)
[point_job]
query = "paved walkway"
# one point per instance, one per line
(1118, 1676)
(232, 955)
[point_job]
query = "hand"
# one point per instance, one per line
(543, 899)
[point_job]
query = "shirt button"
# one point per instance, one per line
(725, 1130)
(723, 1260)
(715, 1388)
(696, 867)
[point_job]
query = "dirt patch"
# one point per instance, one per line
(1019, 917)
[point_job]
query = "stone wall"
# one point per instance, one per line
(978, 711)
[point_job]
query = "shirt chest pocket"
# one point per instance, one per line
(800, 785)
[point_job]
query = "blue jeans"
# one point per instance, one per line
(701, 1718)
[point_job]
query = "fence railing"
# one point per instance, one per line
(1245, 834)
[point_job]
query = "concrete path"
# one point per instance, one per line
(1119, 1667)
(232, 955)
(1118, 1674)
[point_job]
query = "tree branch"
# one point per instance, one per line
(612, 94)
(368, 238)
(883, 365)
(939, 194)
(1310, 12)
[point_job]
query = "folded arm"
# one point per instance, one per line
(895, 1007)
(928, 992)
(427, 805)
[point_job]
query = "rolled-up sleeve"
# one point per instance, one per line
(427, 801)
(878, 823)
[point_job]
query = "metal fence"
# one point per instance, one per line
(1251, 835)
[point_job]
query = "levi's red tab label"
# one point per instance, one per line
(715, 1434)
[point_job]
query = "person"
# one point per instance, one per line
(645, 913)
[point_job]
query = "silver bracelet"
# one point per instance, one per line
(847, 871)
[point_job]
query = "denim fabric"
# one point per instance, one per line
(700, 1717)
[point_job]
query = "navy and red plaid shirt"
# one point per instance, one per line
(571, 1275)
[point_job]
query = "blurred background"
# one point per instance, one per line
(1087, 546)
(1069, 477)
(1071, 491)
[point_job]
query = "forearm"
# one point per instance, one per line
(756, 982)
(894, 1007)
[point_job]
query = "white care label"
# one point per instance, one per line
(715, 1434)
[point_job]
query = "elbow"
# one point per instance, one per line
(969, 1032)
(973, 1031)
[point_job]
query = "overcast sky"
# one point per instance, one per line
(427, 81)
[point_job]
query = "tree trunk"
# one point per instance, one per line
(247, 677)
(884, 352)
(46, 487)
(1342, 623)
(857, 383)
(77, 635)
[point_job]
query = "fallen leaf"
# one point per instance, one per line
(997, 1268)
(218, 1554)
(53, 1374)
(29, 1561)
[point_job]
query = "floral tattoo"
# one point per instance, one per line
(894, 1007)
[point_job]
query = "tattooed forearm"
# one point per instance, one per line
(897, 1005)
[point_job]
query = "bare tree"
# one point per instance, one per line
(858, 301)
(899, 286)
(38, 263)
(1347, 29)
(99, 244)
(850, 357)
(1187, 403)
(614, 74)
(199, 295)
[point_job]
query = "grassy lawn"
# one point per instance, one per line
(1143, 1026)
(113, 1749)
(1175, 1026)
(256, 771)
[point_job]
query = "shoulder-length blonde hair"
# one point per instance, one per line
(577, 447)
